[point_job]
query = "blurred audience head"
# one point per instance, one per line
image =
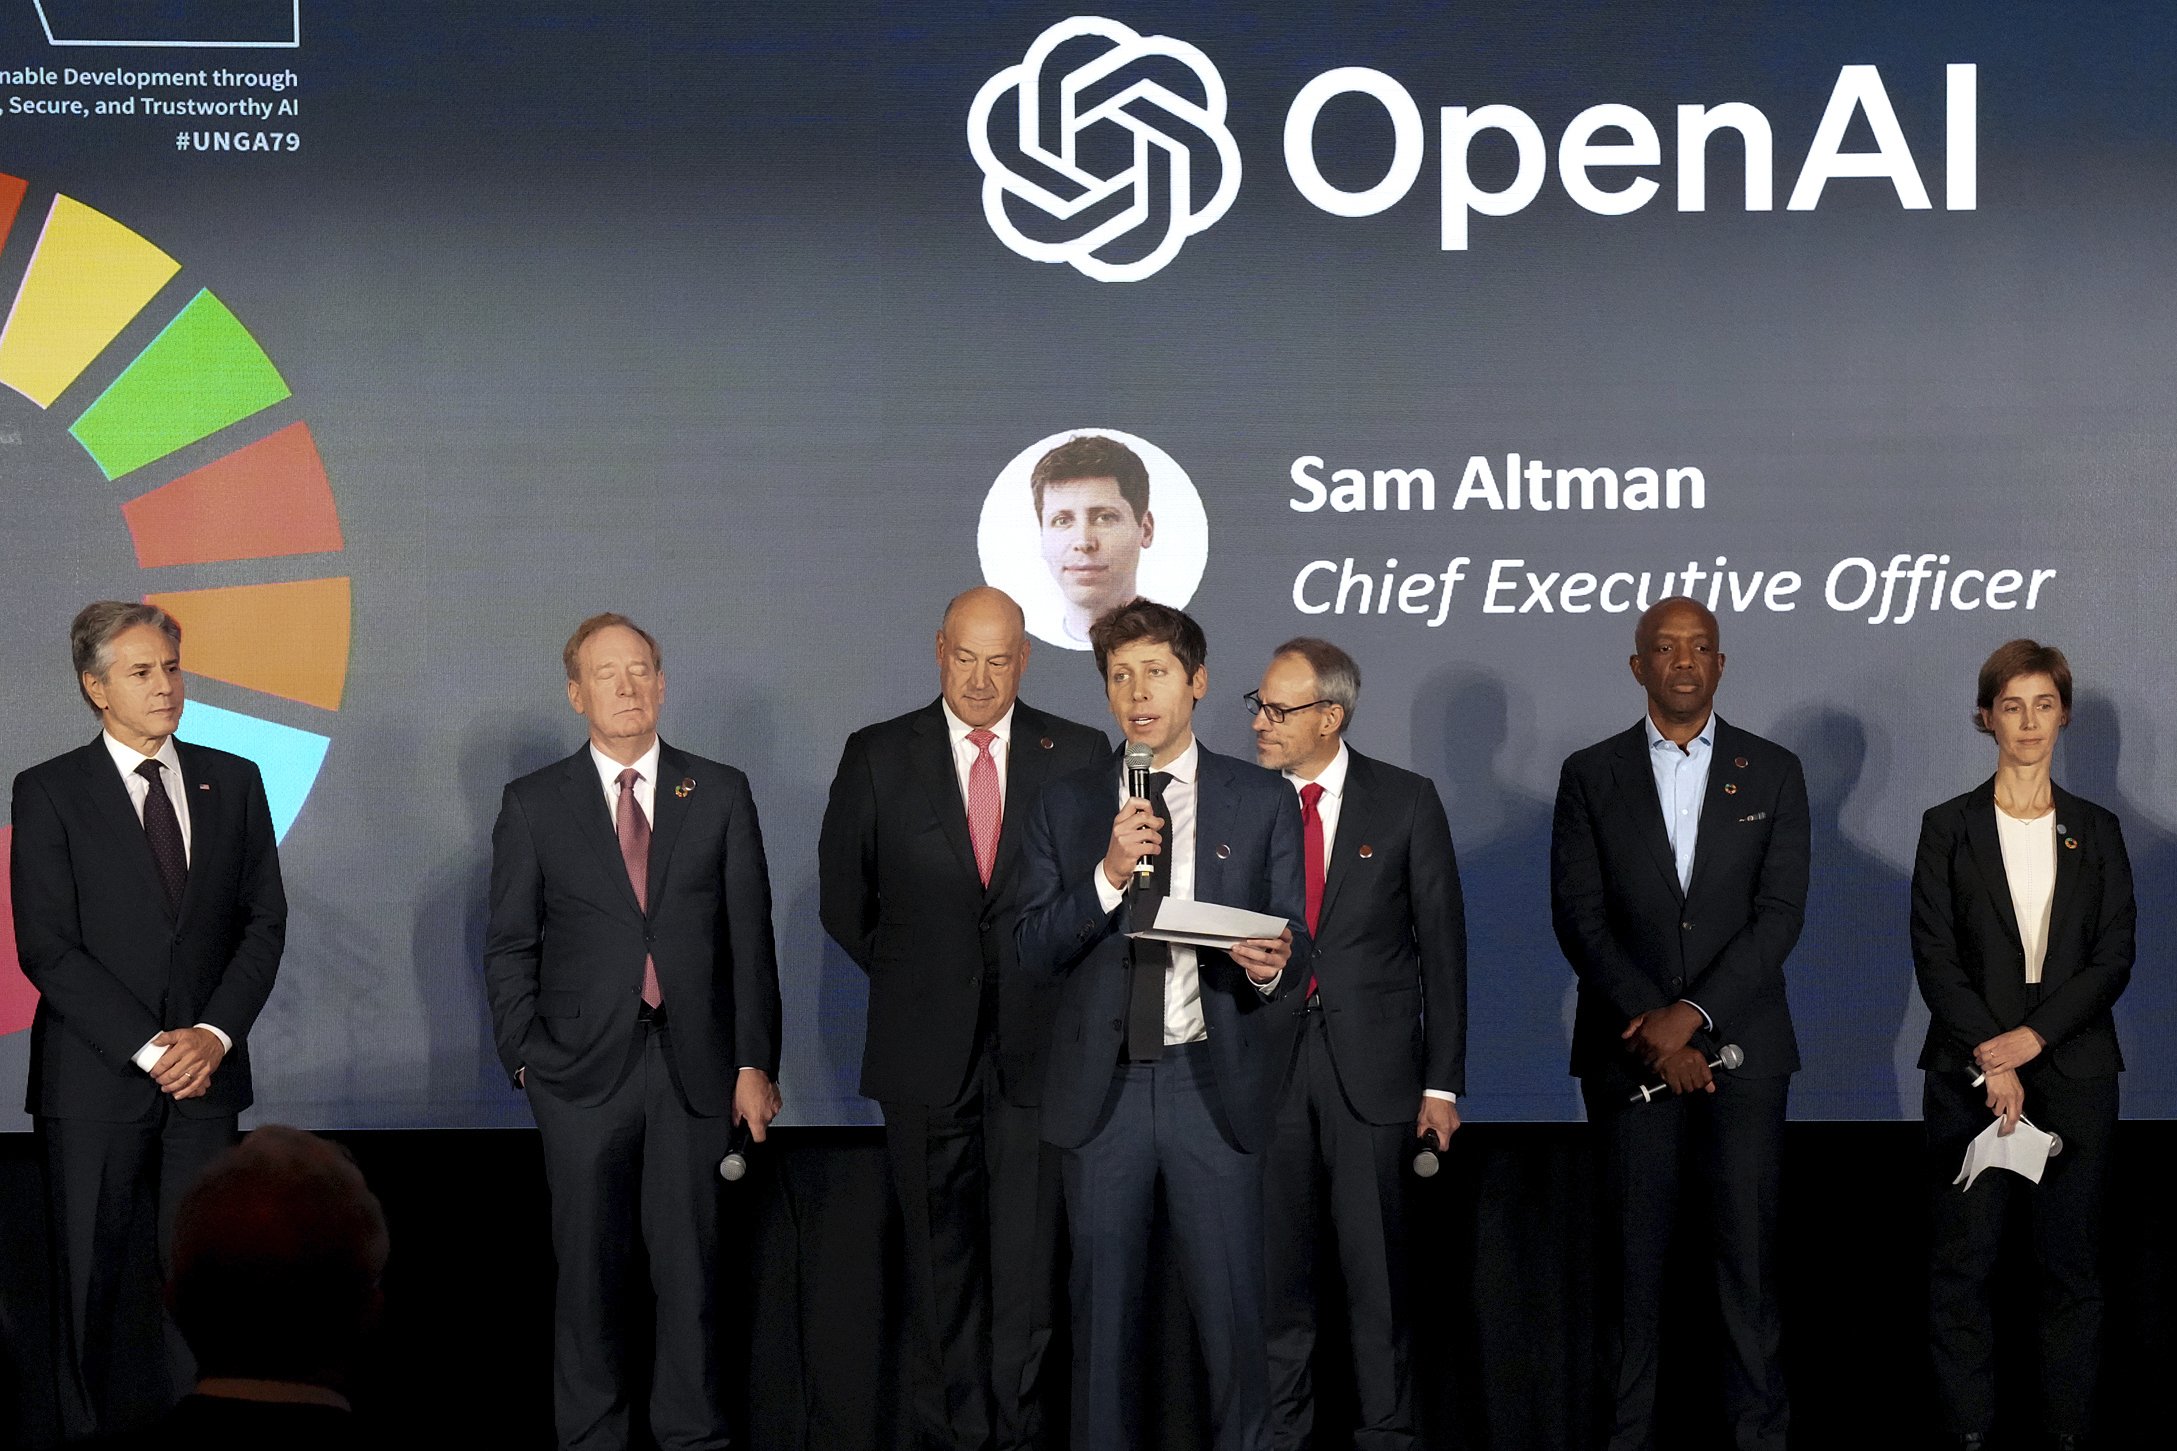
(278, 1253)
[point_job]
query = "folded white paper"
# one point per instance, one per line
(2024, 1150)
(1200, 924)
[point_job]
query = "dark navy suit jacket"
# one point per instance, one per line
(1971, 960)
(563, 961)
(1247, 853)
(1638, 942)
(901, 894)
(111, 964)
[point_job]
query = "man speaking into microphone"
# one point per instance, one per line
(1678, 882)
(1164, 1058)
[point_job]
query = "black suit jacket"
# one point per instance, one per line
(1247, 853)
(1637, 942)
(563, 961)
(1390, 944)
(901, 894)
(1969, 956)
(112, 965)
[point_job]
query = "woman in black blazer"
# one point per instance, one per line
(2022, 921)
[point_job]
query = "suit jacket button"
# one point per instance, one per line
(1118, 1025)
(1678, 984)
(976, 980)
(1688, 926)
(985, 926)
(1223, 851)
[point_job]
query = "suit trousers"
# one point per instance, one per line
(1731, 1143)
(1326, 1156)
(1161, 1120)
(2066, 1209)
(978, 1191)
(639, 1168)
(97, 1178)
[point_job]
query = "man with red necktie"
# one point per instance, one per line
(1380, 1058)
(918, 862)
(635, 998)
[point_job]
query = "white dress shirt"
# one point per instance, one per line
(2029, 862)
(125, 760)
(1681, 785)
(1183, 1020)
(646, 780)
(1332, 778)
(964, 751)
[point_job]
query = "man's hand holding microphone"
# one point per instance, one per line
(1137, 834)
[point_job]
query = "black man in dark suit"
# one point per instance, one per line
(1678, 881)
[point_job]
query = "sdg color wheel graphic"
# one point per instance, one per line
(265, 498)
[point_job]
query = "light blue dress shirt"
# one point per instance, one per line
(1681, 785)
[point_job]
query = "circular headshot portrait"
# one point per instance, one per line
(1085, 520)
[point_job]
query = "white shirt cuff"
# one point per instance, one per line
(1267, 988)
(1706, 1021)
(1107, 895)
(1443, 1093)
(148, 1056)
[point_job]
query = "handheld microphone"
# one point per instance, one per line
(1731, 1055)
(735, 1164)
(1140, 760)
(1425, 1161)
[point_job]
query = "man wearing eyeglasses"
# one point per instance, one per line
(1380, 1053)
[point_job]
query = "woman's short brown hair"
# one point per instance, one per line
(2008, 663)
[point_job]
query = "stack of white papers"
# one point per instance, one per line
(1200, 924)
(2024, 1150)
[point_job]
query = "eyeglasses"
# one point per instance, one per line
(1256, 705)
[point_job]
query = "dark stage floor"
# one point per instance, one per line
(1506, 1332)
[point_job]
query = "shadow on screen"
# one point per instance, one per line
(1518, 1031)
(450, 924)
(819, 984)
(2093, 749)
(1851, 977)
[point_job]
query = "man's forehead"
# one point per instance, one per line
(614, 645)
(1080, 491)
(1143, 652)
(1680, 625)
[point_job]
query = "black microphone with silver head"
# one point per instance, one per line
(1731, 1055)
(1425, 1160)
(1140, 760)
(735, 1164)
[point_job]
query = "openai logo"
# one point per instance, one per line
(1103, 160)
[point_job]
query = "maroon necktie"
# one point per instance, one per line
(986, 810)
(634, 830)
(162, 828)
(1311, 826)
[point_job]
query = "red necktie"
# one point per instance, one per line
(634, 831)
(1311, 827)
(986, 810)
